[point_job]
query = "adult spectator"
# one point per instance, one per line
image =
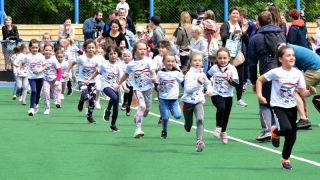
(200, 15)
(123, 13)
(158, 34)
(112, 15)
(66, 31)
(92, 27)
(274, 10)
(259, 52)
(193, 16)
(114, 33)
(130, 39)
(283, 20)
(9, 33)
(184, 37)
(298, 30)
(239, 32)
(318, 35)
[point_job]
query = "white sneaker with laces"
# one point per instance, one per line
(216, 132)
(98, 106)
(199, 146)
(138, 133)
(62, 96)
(36, 109)
(31, 112)
(223, 137)
(47, 112)
(241, 103)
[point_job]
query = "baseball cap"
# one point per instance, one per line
(139, 29)
(201, 9)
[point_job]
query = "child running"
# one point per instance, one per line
(87, 63)
(111, 74)
(225, 76)
(193, 97)
(64, 64)
(15, 53)
(36, 64)
(144, 75)
(99, 53)
(52, 76)
(127, 97)
(168, 80)
(22, 79)
(285, 79)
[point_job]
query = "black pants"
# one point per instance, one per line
(286, 121)
(240, 70)
(223, 105)
(155, 53)
(88, 94)
(113, 103)
(127, 97)
(184, 63)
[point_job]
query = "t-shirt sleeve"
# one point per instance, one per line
(120, 72)
(234, 74)
(129, 69)
(211, 70)
(57, 64)
(158, 77)
(302, 81)
(270, 75)
(118, 7)
(100, 68)
(127, 6)
(152, 65)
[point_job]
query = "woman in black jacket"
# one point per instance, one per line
(9, 33)
(239, 32)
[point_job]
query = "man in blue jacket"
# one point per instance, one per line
(92, 27)
(259, 51)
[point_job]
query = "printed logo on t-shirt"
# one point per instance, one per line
(286, 92)
(220, 83)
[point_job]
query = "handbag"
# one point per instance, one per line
(11, 45)
(213, 47)
(233, 46)
(238, 60)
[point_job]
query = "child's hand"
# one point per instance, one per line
(262, 100)
(19, 72)
(153, 80)
(208, 93)
(116, 89)
(57, 83)
(127, 90)
(200, 80)
(86, 82)
(64, 75)
(312, 90)
(158, 87)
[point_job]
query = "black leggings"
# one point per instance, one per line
(286, 121)
(127, 97)
(113, 102)
(240, 70)
(223, 105)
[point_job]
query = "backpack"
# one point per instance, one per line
(272, 39)
(209, 25)
(213, 47)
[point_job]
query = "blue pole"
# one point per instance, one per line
(76, 11)
(298, 5)
(2, 11)
(225, 10)
(151, 8)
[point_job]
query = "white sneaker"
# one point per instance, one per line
(216, 132)
(36, 109)
(156, 99)
(14, 97)
(199, 146)
(107, 98)
(47, 112)
(62, 96)
(138, 133)
(31, 112)
(98, 106)
(223, 137)
(20, 98)
(240, 103)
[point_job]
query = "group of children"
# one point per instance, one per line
(137, 74)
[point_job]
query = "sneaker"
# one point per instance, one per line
(199, 146)
(244, 88)
(20, 98)
(216, 132)
(114, 128)
(107, 98)
(164, 134)
(138, 133)
(61, 96)
(188, 129)
(285, 163)
(58, 105)
(24, 103)
(36, 108)
(14, 97)
(160, 121)
(97, 105)
(128, 111)
(240, 103)
(80, 105)
(123, 107)
(303, 124)
(275, 139)
(47, 112)
(263, 136)
(91, 120)
(106, 115)
(156, 99)
(70, 92)
(146, 112)
(31, 112)
(224, 137)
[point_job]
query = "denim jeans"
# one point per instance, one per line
(164, 106)
(205, 64)
(15, 84)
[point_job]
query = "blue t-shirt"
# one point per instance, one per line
(305, 58)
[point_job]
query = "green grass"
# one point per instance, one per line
(63, 145)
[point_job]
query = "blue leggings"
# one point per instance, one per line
(114, 101)
(36, 86)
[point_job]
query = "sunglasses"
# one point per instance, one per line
(270, 4)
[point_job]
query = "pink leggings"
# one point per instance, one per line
(47, 85)
(144, 99)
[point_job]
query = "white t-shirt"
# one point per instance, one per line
(283, 86)
(111, 74)
(141, 71)
(34, 62)
(123, 6)
(70, 53)
(13, 58)
(158, 61)
(23, 70)
(130, 80)
(220, 85)
(86, 67)
(169, 82)
(50, 73)
(64, 64)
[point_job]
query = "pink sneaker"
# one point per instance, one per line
(223, 137)
(216, 132)
(199, 146)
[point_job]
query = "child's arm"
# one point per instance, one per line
(306, 93)
(260, 81)
(191, 86)
(154, 76)
(93, 75)
(208, 85)
(65, 74)
(179, 77)
(20, 67)
(122, 79)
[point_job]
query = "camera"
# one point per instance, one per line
(97, 31)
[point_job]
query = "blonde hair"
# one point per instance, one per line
(198, 29)
(7, 18)
(190, 60)
(185, 19)
(47, 33)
